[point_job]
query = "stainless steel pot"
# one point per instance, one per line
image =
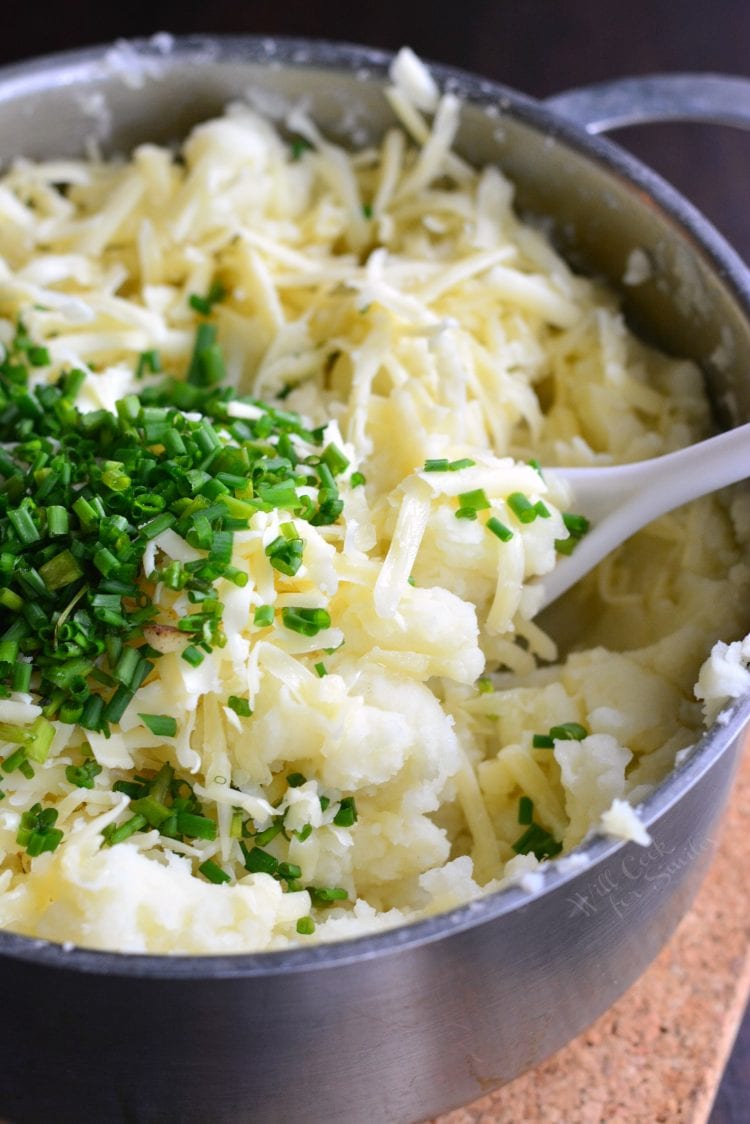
(406, 1024)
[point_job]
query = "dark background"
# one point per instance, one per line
(538, 46)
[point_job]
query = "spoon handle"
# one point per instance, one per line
(623, 498)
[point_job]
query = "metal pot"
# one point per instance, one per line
(411, 1022)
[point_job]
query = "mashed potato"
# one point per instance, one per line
(377, 729)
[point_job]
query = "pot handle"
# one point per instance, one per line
(715, 98)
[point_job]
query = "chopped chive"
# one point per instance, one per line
(320, 668)
(82, 776)
(11, 600)
(569, 731)
(61, 570)
(473, 501)
(308, 622)
(542, 741)
(285, 555)
(522, 507)
(131, 788)
(525, 810)
(576, 524)
(334, 459)
(263, 616)
(213, 872)
(93, 710)
(503, 533)
(154, 811)
(24, 526)
(196, 827)
(155, 526)
(15, 760)
(126, 668)
(258, 861)
(205, 304)
(566, 546)
(163, 725)
(118, 704)
(37, 832)
(21, 677)
(535, 840)
(305, 926)
(294, 780)
(240, 706)
(347, 813)
(269, 833)
(148, 361)
(39, 738)
(58, 522)
(113, 834)
(39, 356)
(323, 895)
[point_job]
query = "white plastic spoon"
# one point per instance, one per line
(620, 499)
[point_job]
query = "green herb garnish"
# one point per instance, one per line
(577, 526)
(82, 776)
(83, 494)
(525, 810)
(213, 872)
(240, 706)
(535, 840)
(163, 725)
(522, 507)
(347, 813)
(499, 529)
(308, 622)
(205, 304)
(567, 731)
(37, 832)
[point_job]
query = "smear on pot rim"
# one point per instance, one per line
(272, 415)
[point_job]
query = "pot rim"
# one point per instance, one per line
(98, 63)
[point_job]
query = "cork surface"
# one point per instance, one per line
(657, 1056)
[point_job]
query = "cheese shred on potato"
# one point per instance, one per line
(423, 745)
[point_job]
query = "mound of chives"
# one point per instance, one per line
(83, 494)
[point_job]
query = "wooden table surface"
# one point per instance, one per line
(538, 46)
